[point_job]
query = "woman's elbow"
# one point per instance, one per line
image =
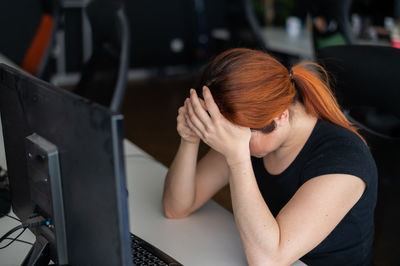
(170, 213)
(174, 215)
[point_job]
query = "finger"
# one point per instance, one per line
(193, 127)
(212, 107)
(181, 110)
(185, 106)
(181, 121)
(203, 104)
(194, 118)
(198, 109)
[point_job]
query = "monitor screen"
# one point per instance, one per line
(89, 204)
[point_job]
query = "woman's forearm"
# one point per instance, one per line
(257, 226)
(180, 185)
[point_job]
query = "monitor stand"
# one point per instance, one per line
(46, 194)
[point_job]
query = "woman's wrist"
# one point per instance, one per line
(190, 142)
(238, 159)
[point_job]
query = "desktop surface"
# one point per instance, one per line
(207, 237)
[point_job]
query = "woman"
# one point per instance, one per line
(303, 182)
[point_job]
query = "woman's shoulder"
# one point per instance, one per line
(334, 149)
(331, 136)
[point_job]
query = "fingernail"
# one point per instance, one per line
(192, 91)
(204, 88)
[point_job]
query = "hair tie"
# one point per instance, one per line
(291, 74)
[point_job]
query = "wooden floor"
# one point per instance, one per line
(150, 110)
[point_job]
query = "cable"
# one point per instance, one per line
(19, 240)
(16, 238)
(9, 216)
(33, 222)
(11, 231)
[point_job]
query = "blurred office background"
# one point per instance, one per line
(141, 58)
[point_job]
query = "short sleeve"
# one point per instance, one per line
(340, 156)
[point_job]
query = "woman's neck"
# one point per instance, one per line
(301, 127)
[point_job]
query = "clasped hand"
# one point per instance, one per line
(214, 129)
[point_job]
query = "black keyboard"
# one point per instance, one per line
(144, 253)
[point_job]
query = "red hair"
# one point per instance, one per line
(251, 88)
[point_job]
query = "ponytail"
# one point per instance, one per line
(311, 82)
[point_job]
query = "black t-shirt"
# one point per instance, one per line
(330, 149)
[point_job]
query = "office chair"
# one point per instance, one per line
(366, 81)
(242, 24)
(246, 30)
(334, 12)
(38, 54)
(253, 23)
(103, 79)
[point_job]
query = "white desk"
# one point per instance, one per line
(302, 46)
(207, 237)
(278, 40)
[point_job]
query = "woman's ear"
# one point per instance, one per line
(282, 119)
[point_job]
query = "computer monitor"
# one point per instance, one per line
(65, 164)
